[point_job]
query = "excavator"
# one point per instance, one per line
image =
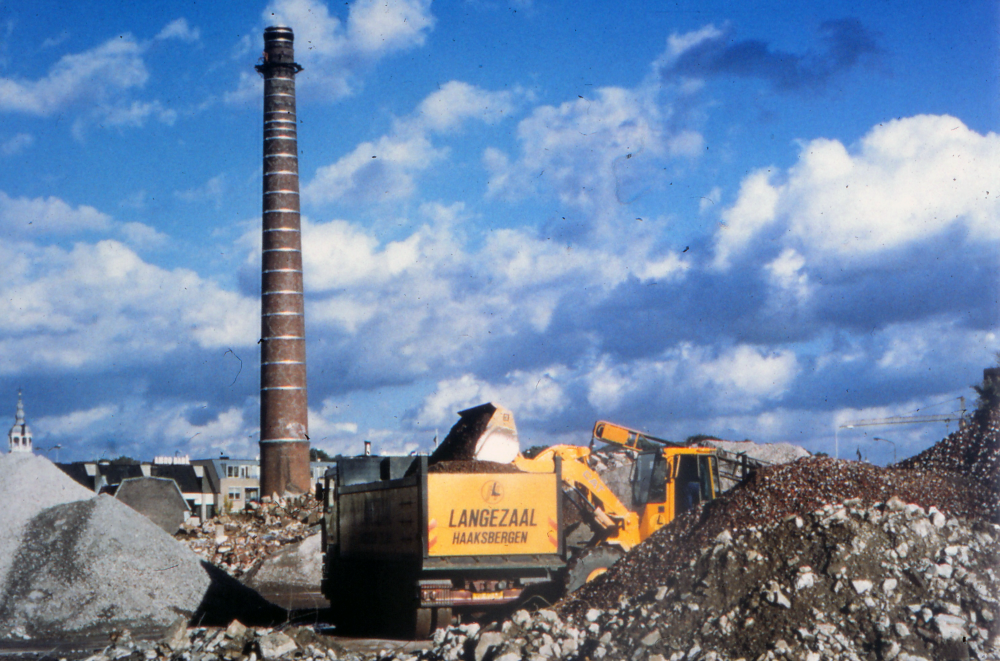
(600, 522)
(667, 479)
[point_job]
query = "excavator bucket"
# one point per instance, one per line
(483, 433)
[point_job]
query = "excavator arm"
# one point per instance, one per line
(620, 525)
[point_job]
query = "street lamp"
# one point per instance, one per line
(878, 438)
(56, 447)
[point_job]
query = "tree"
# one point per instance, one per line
(315, 454)
(125, 461)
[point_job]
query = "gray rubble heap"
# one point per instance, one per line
(90, 566)
(28, 485)
(98, 564)
(772, 453)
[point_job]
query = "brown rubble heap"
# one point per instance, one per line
(237, 543)
(972, 452)
(813, 560)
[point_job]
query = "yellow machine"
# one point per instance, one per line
(667, 479)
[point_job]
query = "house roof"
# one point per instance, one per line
(184, 475)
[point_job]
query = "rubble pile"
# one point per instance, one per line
(236, 641)
(886, 581)
(812, 560)
(770, 495)
(28, 485)
(238, 543)
(771, 453)
(972, 452)
(90, 565)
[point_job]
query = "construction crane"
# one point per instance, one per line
(900, 420)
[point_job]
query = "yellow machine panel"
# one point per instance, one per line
(491, 514)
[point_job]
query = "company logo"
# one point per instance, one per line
(492, 492)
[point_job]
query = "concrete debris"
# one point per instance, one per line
(28, 485)
(157, 498)
(816, 559)
(295, 567)
(752, 611)
(91, 566)
(240, 543)
(236, 642)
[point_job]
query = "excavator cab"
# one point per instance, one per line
(669, 482)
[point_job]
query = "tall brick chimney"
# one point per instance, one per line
(284, 424)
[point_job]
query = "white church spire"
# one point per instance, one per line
(19, 436)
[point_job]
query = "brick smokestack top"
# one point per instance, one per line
(284, 425)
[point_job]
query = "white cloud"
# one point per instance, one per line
(907, 348)
(455, 102)
(596, 155)
(738, 379)
(22, 217)
(907, 180)
(99, 82)
(212, 191)
(532, 395)
(786, 273)
(744, 376)
(678, 44)
(386, 168)
(334, 53)
(754, 209)
(373, 172)
(227, 432)
(179, 29)
(100, 302)
(141, 236)
(572, 150)
(95, 76)
(73, 422)
(16, 144)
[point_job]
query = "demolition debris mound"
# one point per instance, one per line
(766, 498)
(90, 566)
(238, 543)
(816, 559)
(28, 485)
(846, 581)
(973, 451)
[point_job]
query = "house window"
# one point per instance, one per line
(253, 495)
(231, 471)
(235, 494)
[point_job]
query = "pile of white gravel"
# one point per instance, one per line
(772, 453)
(78, 564)
(28, 485)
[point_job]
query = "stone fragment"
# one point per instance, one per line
(804, 581)
(275, 645)
(861, 586)
(487, 641)
(649, 639)
(236, 630)
(176, 635)
(951, 627)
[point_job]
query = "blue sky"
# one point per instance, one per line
(757, 220)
